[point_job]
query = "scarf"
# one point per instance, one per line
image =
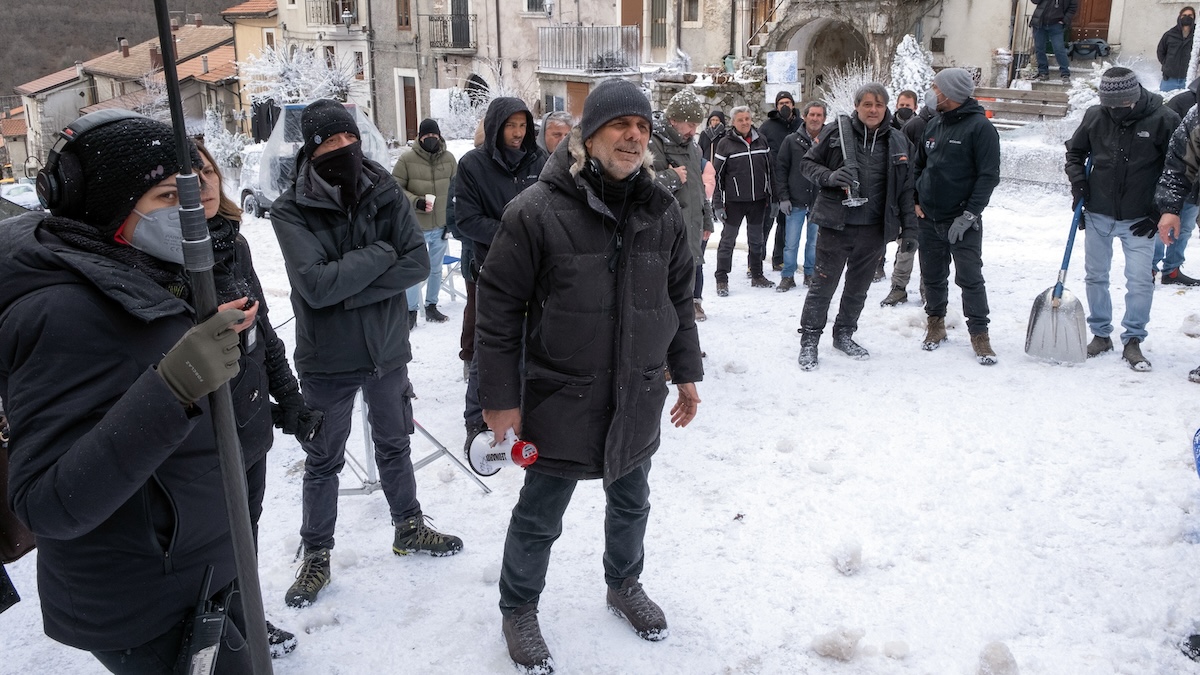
(84, 237)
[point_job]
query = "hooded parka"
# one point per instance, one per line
(421, 173)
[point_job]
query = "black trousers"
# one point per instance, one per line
(735, 213)
(855, 249)
(967, 254)
(537, 522)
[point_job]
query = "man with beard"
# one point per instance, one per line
(796, 194)
(781, 121)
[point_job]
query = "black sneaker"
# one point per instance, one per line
(526, 647)
(631, 603)
(1177, 277)
(432, 314)
(280, 641)
(845, 344)
(412, 319)
(722, 289)
(312, 576)
(414, 535)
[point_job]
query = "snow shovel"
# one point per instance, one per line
(1056, 323)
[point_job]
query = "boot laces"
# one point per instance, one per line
(639, 602)
(529, 634)
(312, 574)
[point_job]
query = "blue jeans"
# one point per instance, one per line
(1139, 252)
(1054, 33)
(437, 248)
(1171, 256)
(1171, 84)
(791, 243)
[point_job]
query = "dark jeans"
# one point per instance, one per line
(389, 411)
(159, 655)
(775, 216)
(735, 213)
(537, 522)
(967, 254)
(1054, 33)
(856, 249)
(698, 292)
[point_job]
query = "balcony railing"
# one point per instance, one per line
(452, 33)
(329, 12)
(590, 49)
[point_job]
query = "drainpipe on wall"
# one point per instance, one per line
(499, 49)
(243, 123)
(370, 35)
(732, 27)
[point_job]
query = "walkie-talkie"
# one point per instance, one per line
(203, 641)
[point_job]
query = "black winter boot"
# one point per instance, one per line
(843, 342)
(808, 350)
(280, 641)
(412, 319)
(434, 316)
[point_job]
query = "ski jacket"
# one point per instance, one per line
(958, 163)
(790, 182)
(1173, 52)
(486, 183)
(349, 272)
(670, 150)
(597, 308)
(899, 219)
(743, 168)
(1178, 180)
(1127, 157)
(420, 173)
(117, 480)
(1050, 12)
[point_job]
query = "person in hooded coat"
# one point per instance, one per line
(1175, 48)
(714, 129)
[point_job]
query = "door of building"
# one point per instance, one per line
(408, 108)
(631, 13)
(576, 93)
(1092, 20)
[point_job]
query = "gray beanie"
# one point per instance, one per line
(684, 106)
(612, 99)
(956, 84)
(1119, 88)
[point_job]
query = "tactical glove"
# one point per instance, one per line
(204, 358)
(966, 221)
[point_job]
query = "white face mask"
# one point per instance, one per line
(931, 100)
(159, 234)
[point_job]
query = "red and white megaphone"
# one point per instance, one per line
(487, 456)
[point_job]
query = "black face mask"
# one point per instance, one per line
(430, 143)
(1187, 21)
(340, 167)
(786, 112)
(904, 114)
(1119, 114)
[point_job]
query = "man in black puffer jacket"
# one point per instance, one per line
(958, 166)
(743, 169)
(1051, 21)
(1174, 50)
(590, 282)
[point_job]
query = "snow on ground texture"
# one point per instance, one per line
(1052, 509)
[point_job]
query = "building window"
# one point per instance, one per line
(269, 38)
(937, 45)
(358, 66)
(330, 56)
(404, 14)
(538, 6)
(691, 10)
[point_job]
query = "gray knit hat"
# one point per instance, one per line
(685, 107)
(956, 84)
(612, 99)
(1119, 88)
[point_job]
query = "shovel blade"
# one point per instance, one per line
(1057, 334)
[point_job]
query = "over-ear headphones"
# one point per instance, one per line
(60, 182)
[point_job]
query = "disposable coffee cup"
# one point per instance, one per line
(429, 201)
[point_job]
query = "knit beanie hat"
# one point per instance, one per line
(120, 161)
(782, 95)
(684, 106)
(324, 118)
(1119, 88)
(612, 99)
(428, 126)
(956, 84)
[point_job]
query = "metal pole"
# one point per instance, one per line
(198, 259)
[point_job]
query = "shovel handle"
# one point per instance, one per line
(1062, 272)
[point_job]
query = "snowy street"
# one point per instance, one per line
(1054, 509)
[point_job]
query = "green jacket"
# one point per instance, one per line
(670, 150)
(420, 173)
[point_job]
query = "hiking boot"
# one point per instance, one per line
(630, 601)
(935, 333)
(843, 343)
(1098, 346)
(1133, 356)
(433, 315)
(808, 279)
(982, 345)
(897, 296)
(808, 350)
(759, 281)
(1177, 277)
(1194, 376)
(700, 315)
(280, 641)
(526, 647)
(1041, 77)
(776, 267)
(722, 289)
(412, 319)
(414, 535)
(785, 284)
(312, 576)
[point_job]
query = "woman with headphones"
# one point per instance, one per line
(104, 375)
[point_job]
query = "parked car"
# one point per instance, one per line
(22, 194)
(250, 195)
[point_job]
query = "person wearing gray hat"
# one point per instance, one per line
(1126, 138)
(588, 284)
(957, 167)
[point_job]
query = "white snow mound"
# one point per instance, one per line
(841, 644)
(847, 557)
(996, 659)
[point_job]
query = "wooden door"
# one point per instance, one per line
(1092, 20)
(410, 109)
(576, 93)
(631, 12)
(760, 13)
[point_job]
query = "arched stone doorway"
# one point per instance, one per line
(823, 45)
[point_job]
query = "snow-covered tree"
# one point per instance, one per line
(226, 147)
(154, 103)
(294, 76)
(841, 83)
(912, 68)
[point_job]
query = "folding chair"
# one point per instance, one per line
(452, 266)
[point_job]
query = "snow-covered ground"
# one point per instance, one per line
(1054, 509)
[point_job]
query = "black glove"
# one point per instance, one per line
(309, 424)
(445, 233)
(719, 212)
(842, 178)
(908, 244)
(419, 205)
(1145, 227)
(204, 358)
(1080, 192)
